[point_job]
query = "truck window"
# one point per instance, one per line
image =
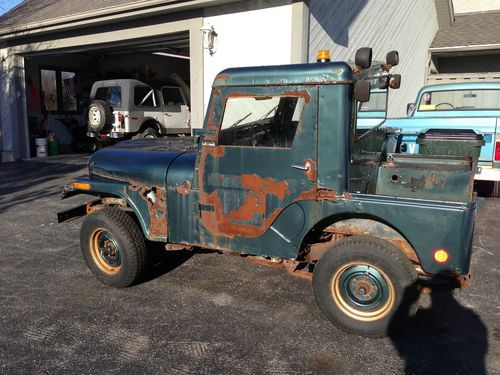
(172, 95)
(451, 100)
(144, 96)
(377, 103)
(111, 95)
(261, 121)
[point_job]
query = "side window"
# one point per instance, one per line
(144, 96)
(261, 121)
(111, 95)
(172, 95)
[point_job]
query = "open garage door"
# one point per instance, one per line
(58, 83)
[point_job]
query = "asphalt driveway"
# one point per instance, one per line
(207, 313)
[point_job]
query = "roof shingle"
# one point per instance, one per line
(470, 30)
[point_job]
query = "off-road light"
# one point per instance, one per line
(441, 256)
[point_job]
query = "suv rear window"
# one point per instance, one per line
(144, 96)
(111, 95)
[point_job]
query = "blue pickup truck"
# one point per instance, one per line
(470, 105)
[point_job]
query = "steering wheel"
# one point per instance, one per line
(267, 134)
(446, 103)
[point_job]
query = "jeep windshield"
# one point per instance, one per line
(259, 121)
(451, 100)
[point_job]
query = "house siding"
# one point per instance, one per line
(407, 26)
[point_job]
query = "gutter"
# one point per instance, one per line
(140, 9)
(466, 48)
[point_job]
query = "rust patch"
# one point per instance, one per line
(309, 195)
(233, 224)
(157, 213)
(184, 188)
(222, 76)
(312, 171)
(326, 194)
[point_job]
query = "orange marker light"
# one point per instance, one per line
(441, 256)
(323, 56)
(81, 186)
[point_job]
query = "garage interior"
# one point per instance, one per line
(58, 84)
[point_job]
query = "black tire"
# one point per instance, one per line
(366, 286)
(100, 116)
(148, 133)
(108, 229)
(94, 145)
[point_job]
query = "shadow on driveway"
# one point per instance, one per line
(447, 338)
(27, 181)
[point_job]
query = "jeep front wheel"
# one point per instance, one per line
(366, 286)
(113, 247)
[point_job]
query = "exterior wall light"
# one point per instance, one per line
(209, 35)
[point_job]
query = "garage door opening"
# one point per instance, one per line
(58, 88)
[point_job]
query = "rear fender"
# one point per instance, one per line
(365, 227)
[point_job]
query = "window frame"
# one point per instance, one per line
(285, 94)
(59, 90)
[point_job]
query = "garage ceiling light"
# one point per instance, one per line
(171, 55)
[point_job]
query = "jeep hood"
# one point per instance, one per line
(139, 161)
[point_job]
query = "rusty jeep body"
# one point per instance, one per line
(277, 172)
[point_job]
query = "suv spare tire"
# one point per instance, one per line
(100, 116)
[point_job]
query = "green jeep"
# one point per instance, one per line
(278, 172)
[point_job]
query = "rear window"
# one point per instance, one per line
(172, 95)
(111, 95)
(144, 96)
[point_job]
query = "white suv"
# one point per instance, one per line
(123, 108)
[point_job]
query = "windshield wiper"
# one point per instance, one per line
(240, 120)
(269, 112)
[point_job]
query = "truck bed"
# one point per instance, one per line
(443, 178)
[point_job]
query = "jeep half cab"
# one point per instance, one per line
(277, 172)
(125, 108)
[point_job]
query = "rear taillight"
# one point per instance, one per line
(121, 118)
(497, 151)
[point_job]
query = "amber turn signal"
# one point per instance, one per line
(81, 186)
(441, 256)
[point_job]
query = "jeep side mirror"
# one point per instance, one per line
(363, 57)
(392, 58)
(395, 81)
(362, 91)
(409, 108)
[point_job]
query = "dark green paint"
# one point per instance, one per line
(435, 213)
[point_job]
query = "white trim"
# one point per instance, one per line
(103, 15)
(465, 48)
(488, 174)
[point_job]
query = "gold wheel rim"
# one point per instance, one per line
(103, 249)
(349, 307)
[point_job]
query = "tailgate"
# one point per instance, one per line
(412, 127)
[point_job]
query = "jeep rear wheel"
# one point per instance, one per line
(366, 286)
(100, 116)
(113, 247)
